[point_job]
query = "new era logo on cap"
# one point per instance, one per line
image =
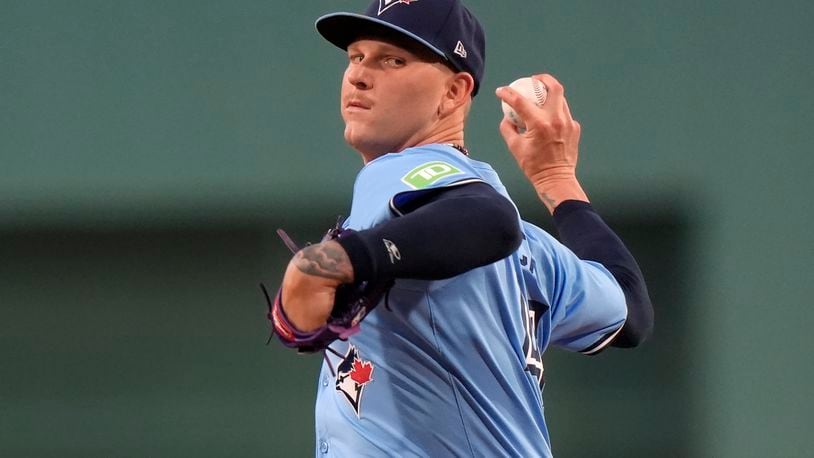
(384, 5)
(460, 50)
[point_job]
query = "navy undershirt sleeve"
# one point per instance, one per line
(583, 231)
(446, 233)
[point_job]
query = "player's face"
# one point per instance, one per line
(390, 96)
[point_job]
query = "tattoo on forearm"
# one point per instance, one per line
(324, 260)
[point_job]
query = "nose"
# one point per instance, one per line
(358, 76)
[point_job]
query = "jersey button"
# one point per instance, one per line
(325, 381)
(323, 446)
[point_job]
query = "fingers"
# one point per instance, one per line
(508, 131)
(555, 103)
(553, 86)
(556, 94)
(524, 107)
(566, 111)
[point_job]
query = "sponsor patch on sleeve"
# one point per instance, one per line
(428, 173)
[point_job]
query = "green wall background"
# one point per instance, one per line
(148, 150)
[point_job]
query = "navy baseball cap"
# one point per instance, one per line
(446, 27)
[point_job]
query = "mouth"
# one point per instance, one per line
(356, 105)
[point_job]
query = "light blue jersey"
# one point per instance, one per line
(453, 367)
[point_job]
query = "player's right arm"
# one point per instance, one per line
(547, 153)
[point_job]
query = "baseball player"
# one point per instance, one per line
(449, 361)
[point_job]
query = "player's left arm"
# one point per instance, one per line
(547, 153)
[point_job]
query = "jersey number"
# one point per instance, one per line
(534, 360)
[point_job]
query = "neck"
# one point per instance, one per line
(448, 130)
(449, 136)
(456, 142)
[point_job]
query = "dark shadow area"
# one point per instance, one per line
(633, 402)
(146, 343)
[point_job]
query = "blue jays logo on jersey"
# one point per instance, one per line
(385, 5)
(352, 375)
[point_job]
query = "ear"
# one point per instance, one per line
(458, 93)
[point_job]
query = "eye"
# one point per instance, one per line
(392, 61)
(355, 58)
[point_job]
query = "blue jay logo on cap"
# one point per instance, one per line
(385, 5)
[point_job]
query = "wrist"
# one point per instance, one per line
(556, 189)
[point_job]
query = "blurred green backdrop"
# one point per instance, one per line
(148, 150)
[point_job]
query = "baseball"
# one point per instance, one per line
(530, 88)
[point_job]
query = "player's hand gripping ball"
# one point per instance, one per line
(531, 89)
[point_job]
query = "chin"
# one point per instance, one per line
(352, 137)
(357, 139)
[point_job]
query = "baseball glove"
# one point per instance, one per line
(352, 304)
